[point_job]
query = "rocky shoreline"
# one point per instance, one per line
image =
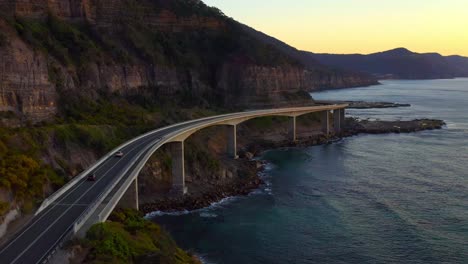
(369, 105)
(252, 180)
(366, 105)
(193, 202)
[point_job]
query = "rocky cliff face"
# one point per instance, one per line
(24, 82)
(177, 48)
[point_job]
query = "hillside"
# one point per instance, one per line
(145, 50)
(77, 78)
(328, 77)
(398, 64)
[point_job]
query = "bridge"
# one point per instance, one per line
(80, 203)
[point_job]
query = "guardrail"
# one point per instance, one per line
(54, 196)
(84, 216)
(165, 139)
(148, 150)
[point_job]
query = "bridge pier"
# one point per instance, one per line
(178, 168)
(232, 141)
(325, 121)
(339, 120)
(130, 197)
(292, 129)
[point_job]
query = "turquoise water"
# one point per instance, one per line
(367, 199)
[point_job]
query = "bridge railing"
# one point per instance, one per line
(165, 139)
(84, 216)
(149, 149)
(91, 208)
(54, 196)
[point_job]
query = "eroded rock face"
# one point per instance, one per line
(24, 83)
(28, 89)
(104, 12)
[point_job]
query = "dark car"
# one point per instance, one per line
(91, 177)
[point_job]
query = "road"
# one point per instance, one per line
(42, 234)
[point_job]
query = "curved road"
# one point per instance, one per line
(54, 223)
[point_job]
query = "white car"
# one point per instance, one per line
(119, 154)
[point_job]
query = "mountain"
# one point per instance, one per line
(398, 63)
(54, 52)
(342, 78)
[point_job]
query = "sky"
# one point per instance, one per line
(357, 26)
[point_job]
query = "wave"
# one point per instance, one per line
(264, 189)
(212, 206)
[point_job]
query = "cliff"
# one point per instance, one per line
(79, 77)
(178, 49)
(398, 64)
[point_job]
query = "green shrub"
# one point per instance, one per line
(130, 237)
(67, 43)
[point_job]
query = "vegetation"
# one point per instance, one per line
(98, 121)
(21, 170)
(68, 43)
(129, 238)
(98, 126)
(194, 153)
(267, 122)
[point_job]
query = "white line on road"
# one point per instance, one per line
(46, 252)
(33, 242)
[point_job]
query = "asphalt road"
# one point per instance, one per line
(34, 242)
(41, 235)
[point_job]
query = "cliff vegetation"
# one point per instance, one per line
(129, 238)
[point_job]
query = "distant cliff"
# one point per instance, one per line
(398, 64)
(180, 50)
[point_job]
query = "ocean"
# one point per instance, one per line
(395, 198)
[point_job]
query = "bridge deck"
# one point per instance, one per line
(34, 243)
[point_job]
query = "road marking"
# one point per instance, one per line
(38, 219)
(60, 204)
(58, 218)
(188, 125)
(54, 244)
(50, 208)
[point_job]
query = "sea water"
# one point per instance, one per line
(396, 198)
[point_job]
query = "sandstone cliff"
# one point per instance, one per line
(171, 49)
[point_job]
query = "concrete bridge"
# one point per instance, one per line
(80, 203)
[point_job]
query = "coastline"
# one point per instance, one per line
(254, 167)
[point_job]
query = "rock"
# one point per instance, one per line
(258, 164)
(249, 155)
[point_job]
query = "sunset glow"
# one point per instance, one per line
(358, 26)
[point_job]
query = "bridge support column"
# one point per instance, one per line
(342, 119)
(232, 141)
(130, 197)
(339, 120)
(292, 129)
(178, 168)
(325, 120)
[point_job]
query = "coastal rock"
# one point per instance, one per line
(356, 126)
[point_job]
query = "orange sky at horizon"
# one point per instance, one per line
(358, 26)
